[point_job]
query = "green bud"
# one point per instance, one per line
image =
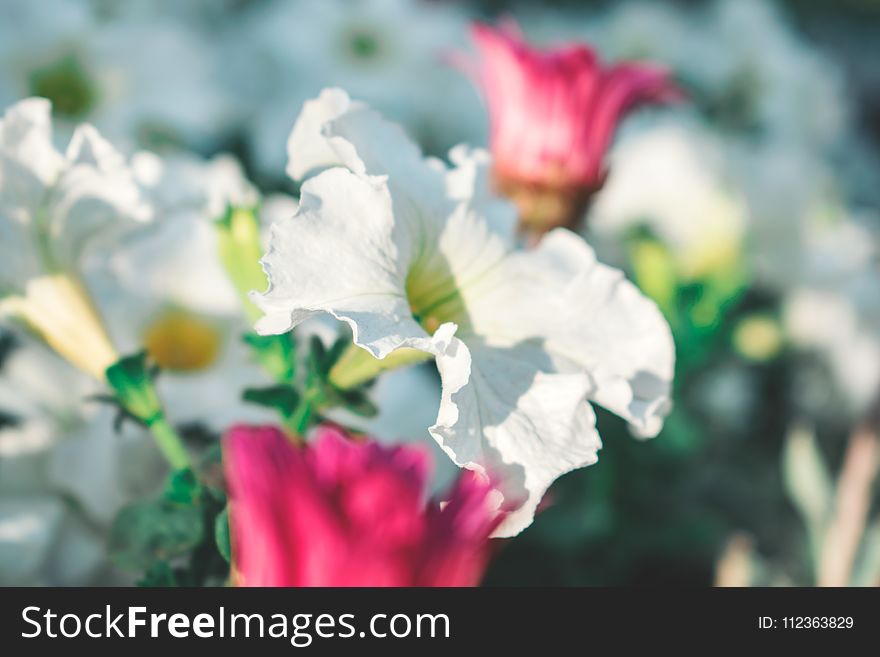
(238, 233)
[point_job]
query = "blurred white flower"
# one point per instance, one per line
(139, 80)
(54, 208)
(388, 52)
(672, 178)
(426, 262)
(165, 289)
(836, 306)
(30, 30)
(64, 472)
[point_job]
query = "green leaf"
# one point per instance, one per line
(221, 534)
(355, 401)
(183, 487)
(147, 532)
(808, 483)
(160, 574)
(274, 353)
(282, 398)
(317, 358)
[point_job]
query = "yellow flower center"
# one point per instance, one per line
(183, 342)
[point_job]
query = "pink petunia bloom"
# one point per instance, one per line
(347, 512)
(553, 114)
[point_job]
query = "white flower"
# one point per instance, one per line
(388, 52)
(671, 177)
(165, 289)
(64, 472)
(116, 68)
(832, 307)
(417, 257)
(53, 208)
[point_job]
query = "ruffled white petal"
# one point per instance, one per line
(28, 164)
(309, 149)
(503, 413)
(593, 320)
(94, 197)
(336, 131)
(614, 332)
(342, 253)
(52, 206)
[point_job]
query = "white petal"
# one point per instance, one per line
(28, 528)
(26, 141)
(502, 413)
(309, 150)
(469, 180)
(29, 163)
(616, 333)
(592, 319)
(342, 253)
(95, 196)
(85, 466)
(335, 131)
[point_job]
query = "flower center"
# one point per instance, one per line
(434, 298)
(182, 342)
(67, 84)
(363, 45)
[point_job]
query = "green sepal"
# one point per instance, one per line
(274, 353)
(131, 379)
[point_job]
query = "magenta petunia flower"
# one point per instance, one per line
(553, 114)
(346, 512)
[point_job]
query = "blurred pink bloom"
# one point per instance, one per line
(553, 113)
(347, 512)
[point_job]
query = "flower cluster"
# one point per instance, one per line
(341, 293)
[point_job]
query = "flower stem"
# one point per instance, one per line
(169, 443)
(132, 382)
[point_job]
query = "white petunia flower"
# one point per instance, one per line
(671, 177)
(415, 257)
(165, 289)
(116, 68)
(64, 472)
(53, 208)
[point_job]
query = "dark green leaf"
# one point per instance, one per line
(147, 532)
(221, 534)
(182, 487)
(282, 398)
(159, 574)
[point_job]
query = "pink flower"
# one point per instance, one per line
(346, 512)
(553, 113)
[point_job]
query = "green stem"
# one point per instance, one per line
(170, 444)
(132, 382)
(301, 418)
